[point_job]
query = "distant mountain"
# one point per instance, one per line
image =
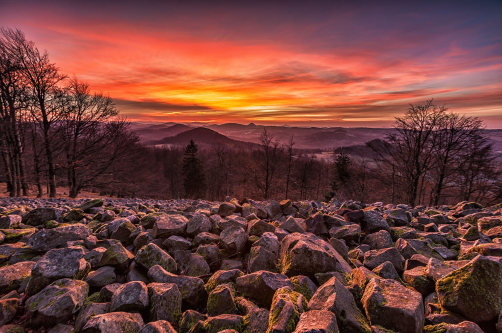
(154, 132)
(203, 137)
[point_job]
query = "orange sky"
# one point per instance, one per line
(280, 63)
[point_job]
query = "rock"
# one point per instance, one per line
(292, 226)
(233, 240)
(221, 301)
(89, 311)
(387, 271)
(160, 326)
(273, 209)
(94, 256)
(114, 322)
(101, 277)
(169, 225)
(221, 322)
(256, 320)
(474, 290)
(8, 310)
(334, 297)
(165, 302)
(206, 238)
(12, 276)
(106, 293)
(268, 241)
(409, 247)
(10, 221)
(437, 269)
(259, 227)
(174, 244)
(261, 286)
(304, 285)
(262, 259)
(315, 224)
(403, 232)
(223, 277)
(287, 306)
(391, 305)
(487, 249)
(349, 233)
(230, 264)
(374, 221)
(317, 321)
(189, 319)
(121, 230)
(86, 206)
(57, 302)
(397, 217)
(117, 256)
(378, 240)
(131, 296)
(192, 264)
(39, 216)
(57, 264)
(197, 224)
(151, 255)
(463, 327)
(375, 258)
(226, 209)
(419, 280)
(191, 288)
(48, 239)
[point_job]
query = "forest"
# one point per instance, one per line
(59, 138)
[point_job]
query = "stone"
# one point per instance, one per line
(165, 302)
(375, 258)
(259, 227)
(378, 240)
(151, 255)
(131, 296)
(387, 271)
(334, 297)
(262, 259)
(57, 264)
(221, 301)
(393, 306)
(86, 206)
(268, 241)
(374, 221)
(226, 209)
(222, 277)
(8, 310)
(191, 288)
(121, 230)
(292, 226)
(437, 269)
(106, 293)
(287, 306)
(48, 239)
(315, 225)
(12, 276)
(418, 279)
(230, 264)
(114, 322)
(89, 311)
(197, 224)
(349, 232)
(206, 238)
(57, 302)
(261, 286)
(117, 256)
(487, 249)
(304, 285)
(256, 320)
(159, 326)
(474, 290)
(94, 256)
(192, 264)
(221, 322)
(273, 209)
(39, 216)
(101, 277)
(189, 319)
(317, 321)
(233, 240)
(10, 221)
(169, 225)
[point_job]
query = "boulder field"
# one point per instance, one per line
(193, 266)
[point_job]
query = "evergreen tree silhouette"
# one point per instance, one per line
(194, 180)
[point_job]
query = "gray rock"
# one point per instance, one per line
(169, 225)
(151, 255)
(259, 227)
(48, 239)
(117, 256)
(12, 276)
(262, 259)
(374, 221)
(165, 302)
(89, 311)
(101, 277)
(197, 224)
(221, 301)
(233, 239)
(159, 326)
(39, 216)
(375, 258)
(8, 310)
(131, 296)
(317, 321)
(378, 240)
(261, 286)
(268, 241)
(114, 322)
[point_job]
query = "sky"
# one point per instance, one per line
(301, 63)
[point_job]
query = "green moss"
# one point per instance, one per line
(94, 298)
(440, 328)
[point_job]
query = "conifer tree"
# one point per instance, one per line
(341, 175)
(194, 179)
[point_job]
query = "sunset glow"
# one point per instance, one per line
(306, 63)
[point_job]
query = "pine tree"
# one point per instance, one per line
(194, 179)
(341, 175)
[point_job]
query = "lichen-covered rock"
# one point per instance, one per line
(387, 271)
(334, 297)
(86, 206)
(304, 285)
(39, 216)
(349, 232)
(165, 302)
(57, 264)
(101, 277)
(8, 310)
(197, 224)
(375, 258)
(117, 256)
(316, 321)
(474, 290)
(169, 225)
(151, 255)
(262, 259)
(256, 320)
(189, 319)
(374, 221)
(121, 230)
(223, 277)
(222, 322)
(12, 276)
(393, 306)
(378, 240)
(10, 221)
(463, 327)
(287, 306)
(226, 209)
(48, 239)
(259, 227)
(191, 288)
(57, 302)
(131, 296)
(221, 301)
(106, 293)
(261, 286)
(89, 311)
(233, 239)
(268, 241)
(159, 326)
(419, 280)
(291, 225)
(192, 264)
(114, 322)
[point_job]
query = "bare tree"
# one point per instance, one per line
(289, 152)
(268, 164)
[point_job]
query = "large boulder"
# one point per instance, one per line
(287, 306)
(131, 296)
(374, 221)
(89, 311)
(101, 277)
(197, 224)
(262, 259)
(57, 264)
(334, 297)
(474, 290)
(151, 255)
(375, 258)
(317, 321)
(12, 276)
(261, 286)
(165, 302)
(114, 322)
(57, 302)
(8, 310)
(48, 239)
(169, 225)
(39, 216)
(393, 306)
(117, 256)
(221, 301)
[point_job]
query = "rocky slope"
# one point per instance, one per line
(248, 266)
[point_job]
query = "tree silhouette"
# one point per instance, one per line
(341, 174)
(193, 173)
